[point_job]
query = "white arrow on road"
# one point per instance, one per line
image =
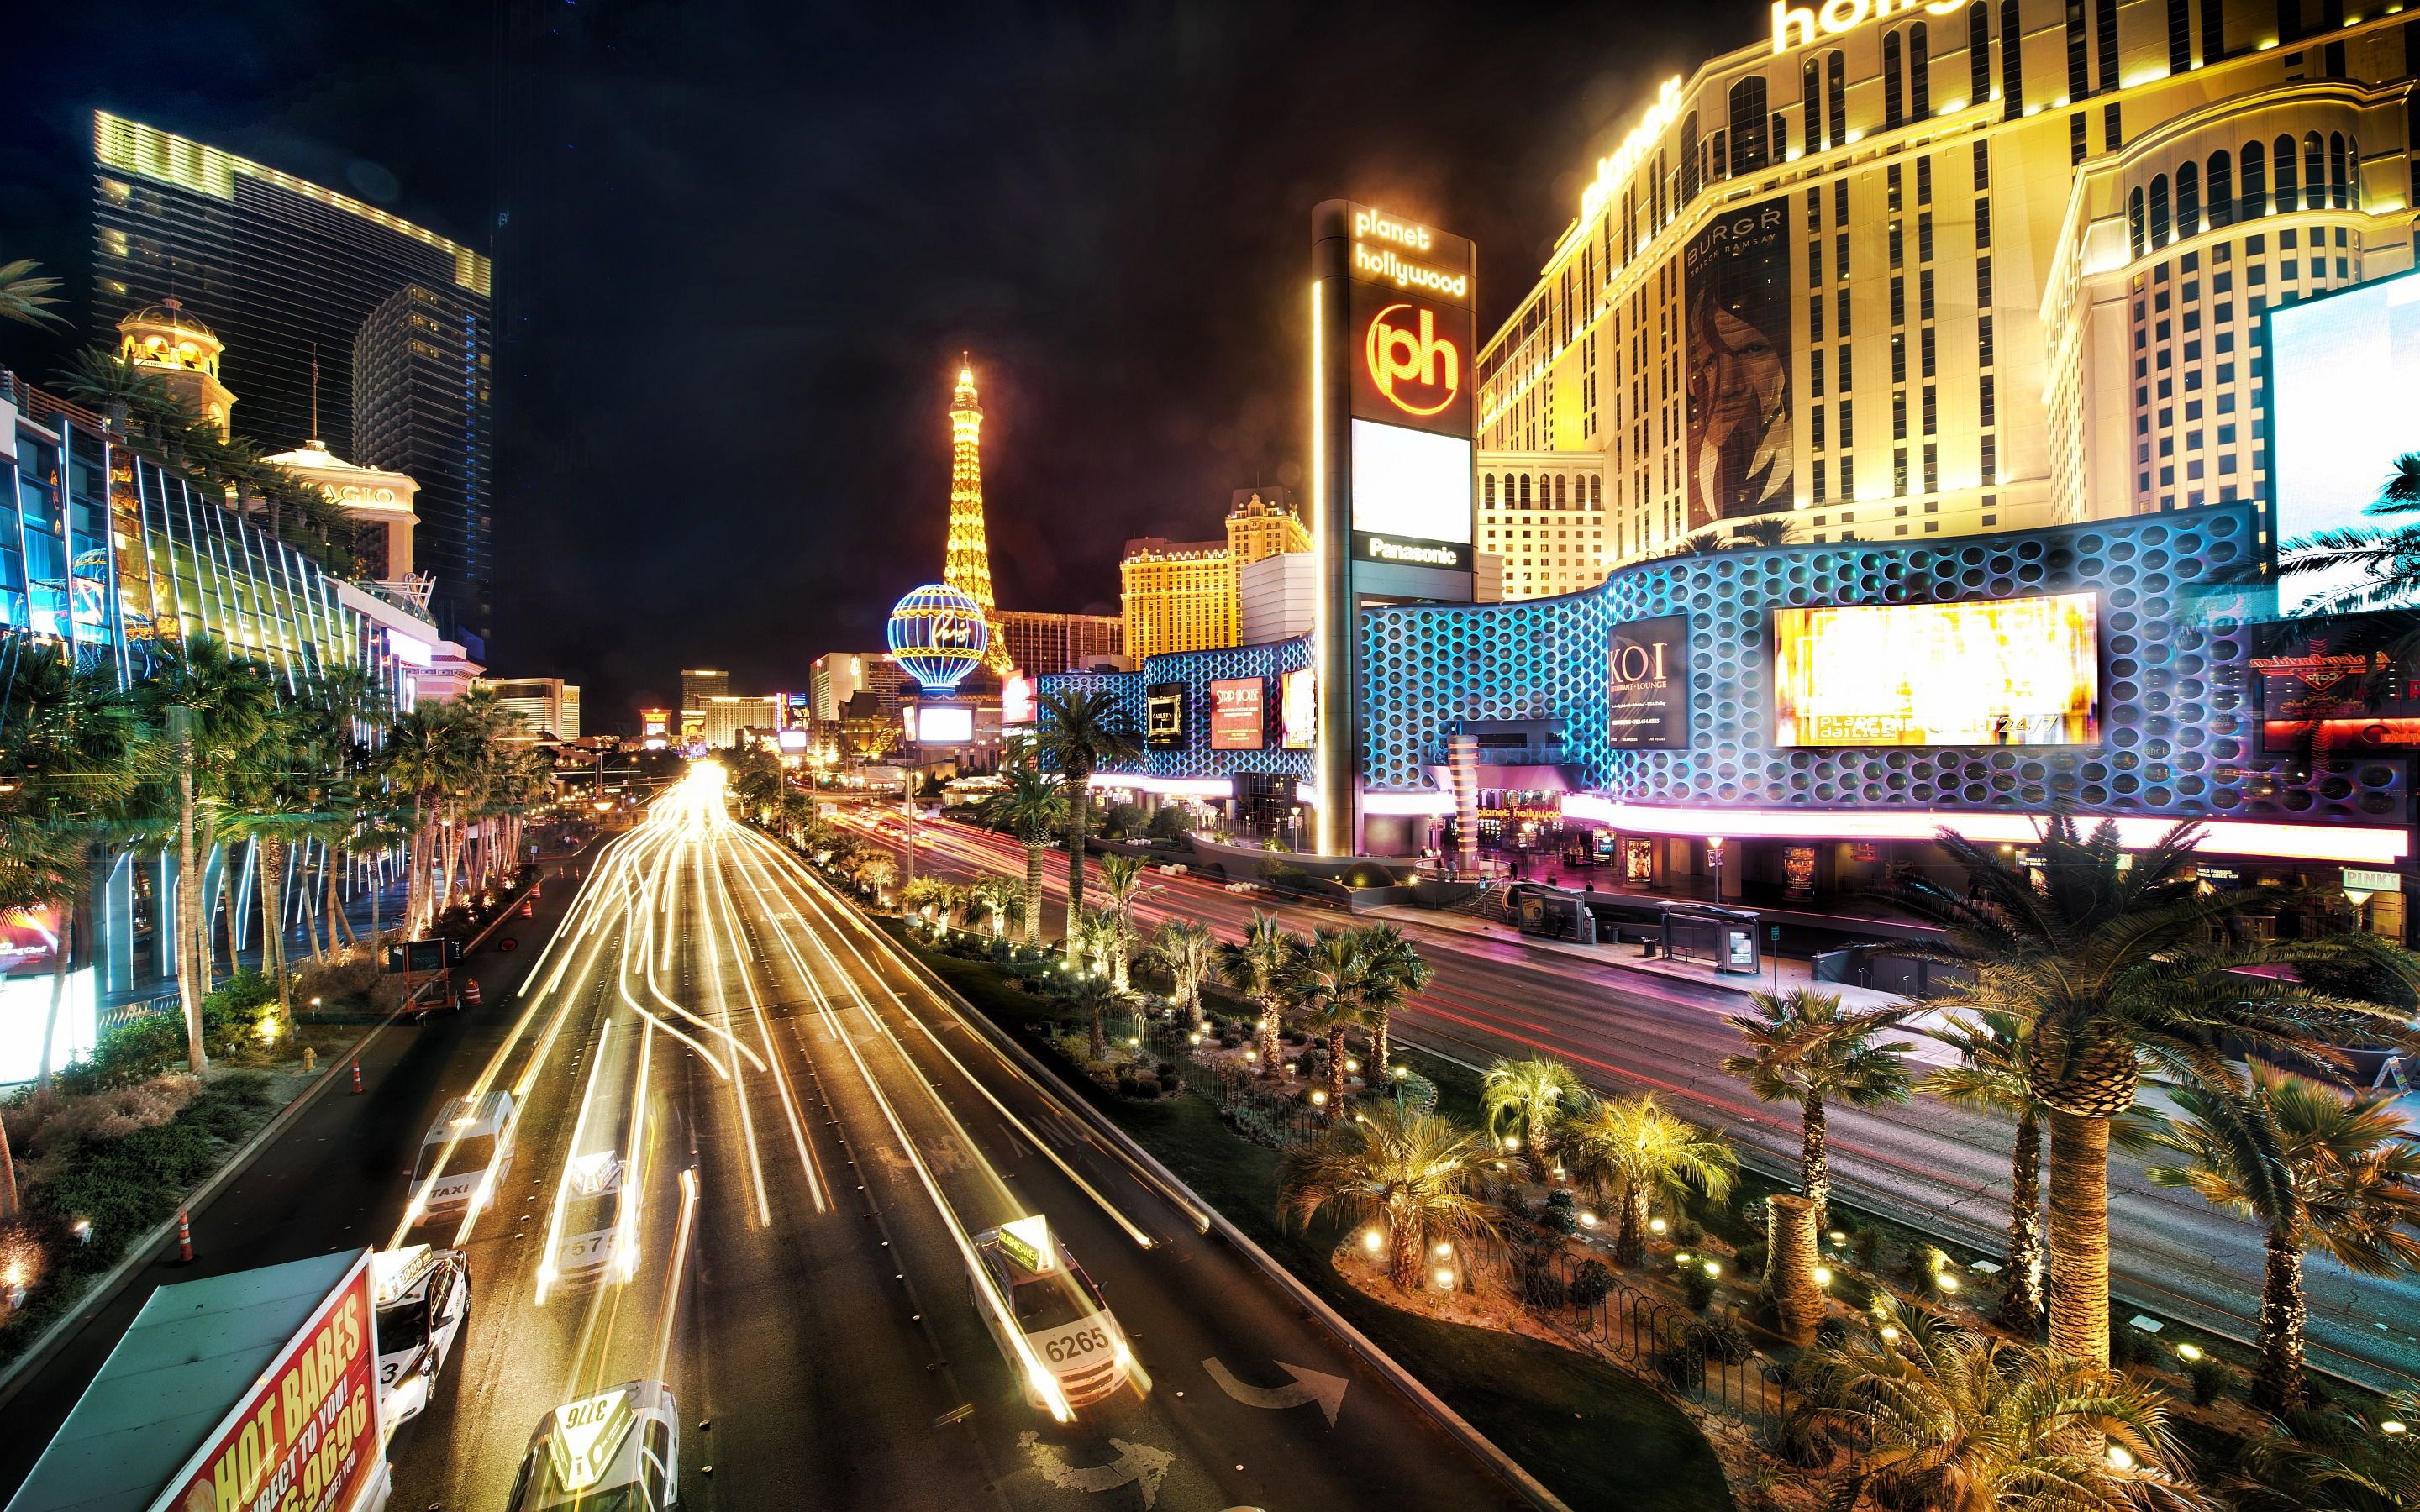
(1308, 1386)
(1137, 1464)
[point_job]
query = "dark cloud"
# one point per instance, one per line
(743, 248)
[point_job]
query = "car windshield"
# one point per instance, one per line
(403, 1325)
(471, 1154)
(538, 1490)
(1051, 1302)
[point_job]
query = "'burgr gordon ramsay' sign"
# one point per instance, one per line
(307, 1439)
(1647, 685)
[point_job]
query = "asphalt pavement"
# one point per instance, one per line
(1938, 1166)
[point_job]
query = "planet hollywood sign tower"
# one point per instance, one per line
(1394, 337)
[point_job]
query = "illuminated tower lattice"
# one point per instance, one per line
(968, 567)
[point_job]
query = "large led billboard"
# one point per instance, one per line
(2343, 684)
(945, 724)
(1410, 482)
(2342, 374)
(1647, 685)
(1238, 717)
(2011, 671)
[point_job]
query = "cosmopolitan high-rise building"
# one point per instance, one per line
(344, 325)
(1896, 270)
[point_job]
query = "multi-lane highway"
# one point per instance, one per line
(1940, 1166)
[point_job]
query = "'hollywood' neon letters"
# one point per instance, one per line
(1833, 17)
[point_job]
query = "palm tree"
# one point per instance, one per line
(135, 401)
(1629, 1150)
(2337, 1459)
(1082, 732)
(274, 801)
(1939, 1417)
(1329, 982)
(27, 295)
(1003, 899)
(877, 871)
(1258, 966)
(2108, 966)
(1033, 808)
(1095, 997)
(1416, 1173)
(1990, 1075)
(1185, 949)
(214, 708)
(2387, 559)
(1526, 1100)
(1803, 1048)
(2317, 1170)
(1121, 887)
(1765, 530)
(1396, 972)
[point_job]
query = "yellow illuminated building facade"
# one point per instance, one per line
(1543, 514)
(1969, 266)
(1187, 596)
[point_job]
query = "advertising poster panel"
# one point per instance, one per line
(1238, 719)
(1736, 276)
(2342, 371)
(1298, 709)
(2335, 684)
(307, 1438)
(1164, 717)
(1647, 678)
(2012, 671)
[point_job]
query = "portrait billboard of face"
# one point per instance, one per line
(1736, 276)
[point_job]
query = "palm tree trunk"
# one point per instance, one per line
(1406, 1247)
(2021, 1305)
(1265, 1034)
(310, 910)
(1814, 1168)
(1630, 1241)
(2079, 1237)
(189, 899)
(1079, 802)
(1336, 1072)
(1118, 964)
(1034, 863)
(272, 926)
(51, 1024)
(2277, 1385)
(1100, 1040)
(1789, 1266)
(8, 1204)
(1380, 1076)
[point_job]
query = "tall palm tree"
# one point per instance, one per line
(1186, 951)
(27, 295)
(135, 401)
(1003, 900)
(1032, 807)
(1803, 1047)
(1765, 530)
(274, 801)
(1416, 1173)
(1939, 1417)
(1631, 1151)
(877, 871)
(1122, 886)
(2109, 965)
(1990, 1075)
(1258, 966)
(1527, 1101)
(1396, 972)
(2317, 1170)
(1082, 731)
(1330, 982)
(2387, 559)
(214, 708)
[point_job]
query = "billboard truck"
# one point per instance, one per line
(256, 1390)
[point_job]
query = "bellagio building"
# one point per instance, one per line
(1937, 269)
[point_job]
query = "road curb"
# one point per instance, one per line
(146, 1249)
(1353, 1340)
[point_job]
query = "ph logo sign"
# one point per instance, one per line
(1417, 370)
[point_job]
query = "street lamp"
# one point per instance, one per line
(1715, 859)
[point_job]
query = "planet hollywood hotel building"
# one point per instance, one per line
(1974, 297)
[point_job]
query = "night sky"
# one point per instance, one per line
(740, 250)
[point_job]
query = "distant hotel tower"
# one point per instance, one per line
(288, 274)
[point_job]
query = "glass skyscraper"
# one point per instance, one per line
(295, 278)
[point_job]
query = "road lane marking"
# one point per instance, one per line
(1138, 1465)
(1308, 1386)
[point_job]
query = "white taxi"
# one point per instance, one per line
(619, 1451)
(423, 1296)
(466, 1156)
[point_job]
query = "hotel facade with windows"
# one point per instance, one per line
(1942, 269)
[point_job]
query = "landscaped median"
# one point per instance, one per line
(1593, 1435)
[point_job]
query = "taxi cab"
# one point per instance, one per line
(423, 1297)
(619, 1451)
(466, 1156)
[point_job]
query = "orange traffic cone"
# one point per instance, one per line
(184, 1236)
